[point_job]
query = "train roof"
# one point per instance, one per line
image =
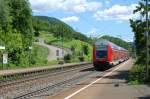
(106, 42)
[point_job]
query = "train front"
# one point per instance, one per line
(101, 54)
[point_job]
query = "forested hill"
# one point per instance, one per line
(56, 27)
(117, 41)
(51, 20)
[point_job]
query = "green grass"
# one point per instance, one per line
(48, 38)
(40, 54)
(54, 62)
(137, 75)
(77, 44)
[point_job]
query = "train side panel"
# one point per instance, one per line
(119, 56)
(109, 57)
(106, 54)
(94, 53)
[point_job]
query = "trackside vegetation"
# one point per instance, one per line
(138, 72)
(16, 32)
(19, 29)
(78, 48)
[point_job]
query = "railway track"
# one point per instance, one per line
(34, 93)
(59, 75)
(27, 76)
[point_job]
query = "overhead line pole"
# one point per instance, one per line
(147, 42)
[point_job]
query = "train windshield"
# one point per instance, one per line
(101, 51)
(101, 54)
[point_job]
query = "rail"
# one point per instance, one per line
(10, 75)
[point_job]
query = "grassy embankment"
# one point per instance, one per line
(77, 45)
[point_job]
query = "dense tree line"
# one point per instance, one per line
(138, 73)
(16, 30)
(139, 28)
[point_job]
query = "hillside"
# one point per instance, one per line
(117, 41)
(51, 20)
(56, 27)
(52, 30)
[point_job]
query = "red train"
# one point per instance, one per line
(107, 54)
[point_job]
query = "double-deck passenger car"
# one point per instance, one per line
(107, 54)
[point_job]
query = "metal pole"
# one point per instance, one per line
(30, 50)
(147, 42)
(134, 48)
(2, 61)
(29, 56)
(62, 43)
(2, 48)
(62, 46)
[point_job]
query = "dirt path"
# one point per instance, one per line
(54, 52)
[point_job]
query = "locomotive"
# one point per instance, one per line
(107, 54)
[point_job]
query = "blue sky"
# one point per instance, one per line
(91, 17)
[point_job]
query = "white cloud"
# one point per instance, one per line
(75, 6)
(117, 12)
(70, 19)
(93, 6)
(107, 2)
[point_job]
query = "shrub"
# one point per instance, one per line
(85, 49)
(81, 58)
(137, 74)
(67, 58)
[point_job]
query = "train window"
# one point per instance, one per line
(101, 47)
(101, 54)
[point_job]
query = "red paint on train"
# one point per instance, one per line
(94, 53)
(109, 59)
(106, 54)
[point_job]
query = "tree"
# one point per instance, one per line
(67, 58)
(4, 15)
(72, 49)
(21, 14)
(4, 20)
(138, 27)
(16, 29)
(22, 19)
